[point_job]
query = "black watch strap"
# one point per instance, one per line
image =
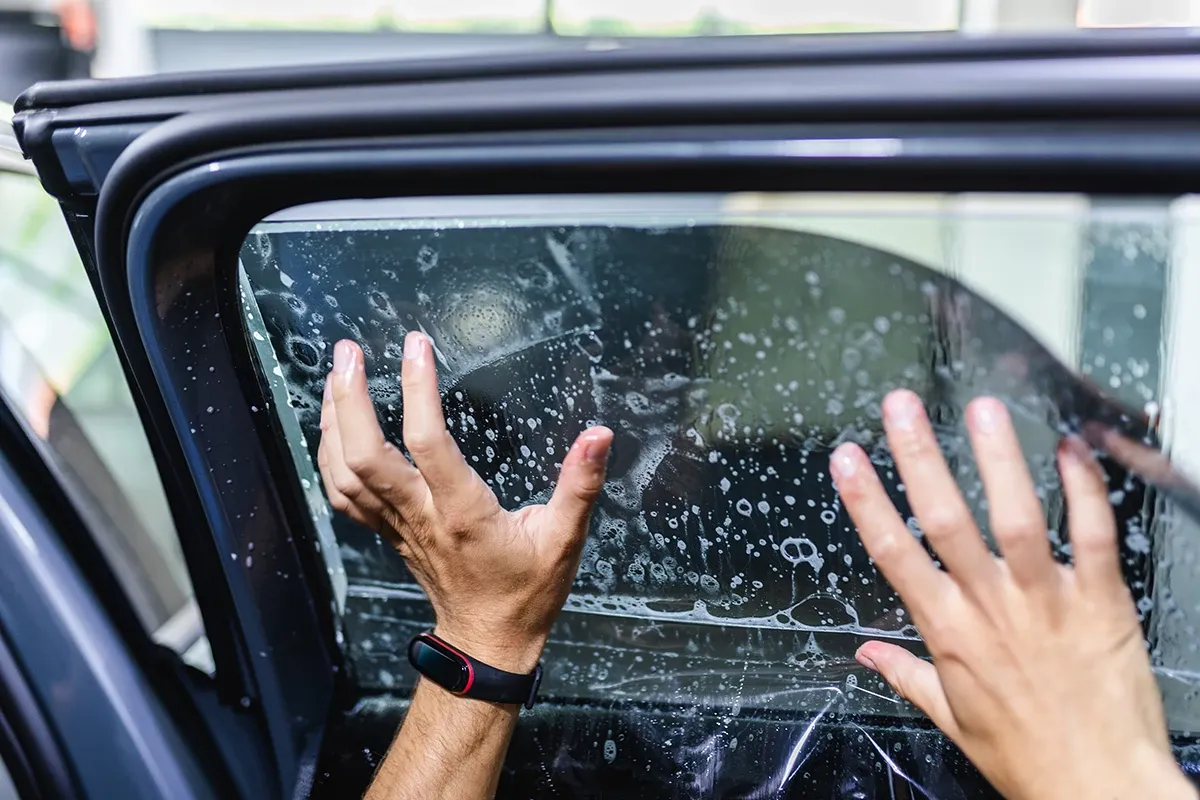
(458, 673)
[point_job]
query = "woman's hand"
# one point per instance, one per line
(496, 579)
(1039, 673)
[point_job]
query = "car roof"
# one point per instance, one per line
(616, 55)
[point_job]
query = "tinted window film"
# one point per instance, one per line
(59, 370)
(732, 342)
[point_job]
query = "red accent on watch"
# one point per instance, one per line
(466, 660)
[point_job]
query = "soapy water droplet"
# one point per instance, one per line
(798, 551)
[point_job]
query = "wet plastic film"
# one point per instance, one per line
(707, 646)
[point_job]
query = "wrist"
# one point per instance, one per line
(1167, 782)
(516, 654)
(1151, 773)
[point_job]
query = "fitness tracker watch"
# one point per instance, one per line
(459, 674)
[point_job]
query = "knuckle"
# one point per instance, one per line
(340, 502)
(1095, 540)
(588, 489)
(895, 679)
(888, 551)
(941, 520)
(362, 461)
(348, 484)
(941, 635)
(1019, 528)
(850, 491)
(911, 447)
(419, 443)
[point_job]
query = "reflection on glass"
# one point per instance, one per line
(732, 344)
(59, 371)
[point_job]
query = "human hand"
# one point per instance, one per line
(1039, 674)
(496, 579)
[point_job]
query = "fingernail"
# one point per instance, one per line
(986, 415)
(343, 357)
(346, 362)
(901, 409)
(1078, 451)
(843, 464)
(595, 450)
(866, 662)
(414, 346)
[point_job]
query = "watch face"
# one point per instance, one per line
(440, 664)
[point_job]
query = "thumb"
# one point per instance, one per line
(581, 479)
(914, 679)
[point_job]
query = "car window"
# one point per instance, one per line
(732, 342)
(60, 372)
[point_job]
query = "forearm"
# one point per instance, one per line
(448, 747)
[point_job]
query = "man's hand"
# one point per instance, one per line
(496, 579)
(1039, 671)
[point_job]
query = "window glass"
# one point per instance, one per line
(7, 790)
(59, 370)
(732, 342)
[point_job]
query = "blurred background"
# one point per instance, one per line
(46, 39)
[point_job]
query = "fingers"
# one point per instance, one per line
(913, 679)
(581, 480)
(933, 493)
(1017, 519)
(425, 435)
(1148, 462)
(896, 552)
(346, 492)
(1092, 529)
(364, 449)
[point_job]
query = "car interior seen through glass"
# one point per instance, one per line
(731, 342)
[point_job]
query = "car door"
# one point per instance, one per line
(726, 251)
(94, 604)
